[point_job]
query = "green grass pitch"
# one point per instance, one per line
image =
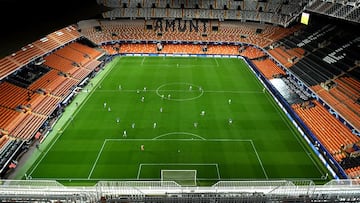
(260, 143)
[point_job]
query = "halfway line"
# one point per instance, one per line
(190, 91)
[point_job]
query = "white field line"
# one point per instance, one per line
(292, 132)
(142, 61)
(68, 123)
(177, 164)
(258, 158)
(205, 91)
(190, 164)
(97, 158)
(217, 64)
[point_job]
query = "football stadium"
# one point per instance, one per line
(186, 101)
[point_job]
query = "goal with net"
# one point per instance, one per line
(181, 177)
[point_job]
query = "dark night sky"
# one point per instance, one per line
(25, 21)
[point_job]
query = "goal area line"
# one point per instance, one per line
(142, 166)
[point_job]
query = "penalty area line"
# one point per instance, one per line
(258, 158)
(97, 158)
(217, 64)
(142, 61)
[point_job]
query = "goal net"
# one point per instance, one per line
(181, 177)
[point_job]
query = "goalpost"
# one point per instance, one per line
(182, 177)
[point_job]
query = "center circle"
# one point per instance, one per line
(179, 91)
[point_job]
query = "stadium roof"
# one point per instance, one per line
(26, 21)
